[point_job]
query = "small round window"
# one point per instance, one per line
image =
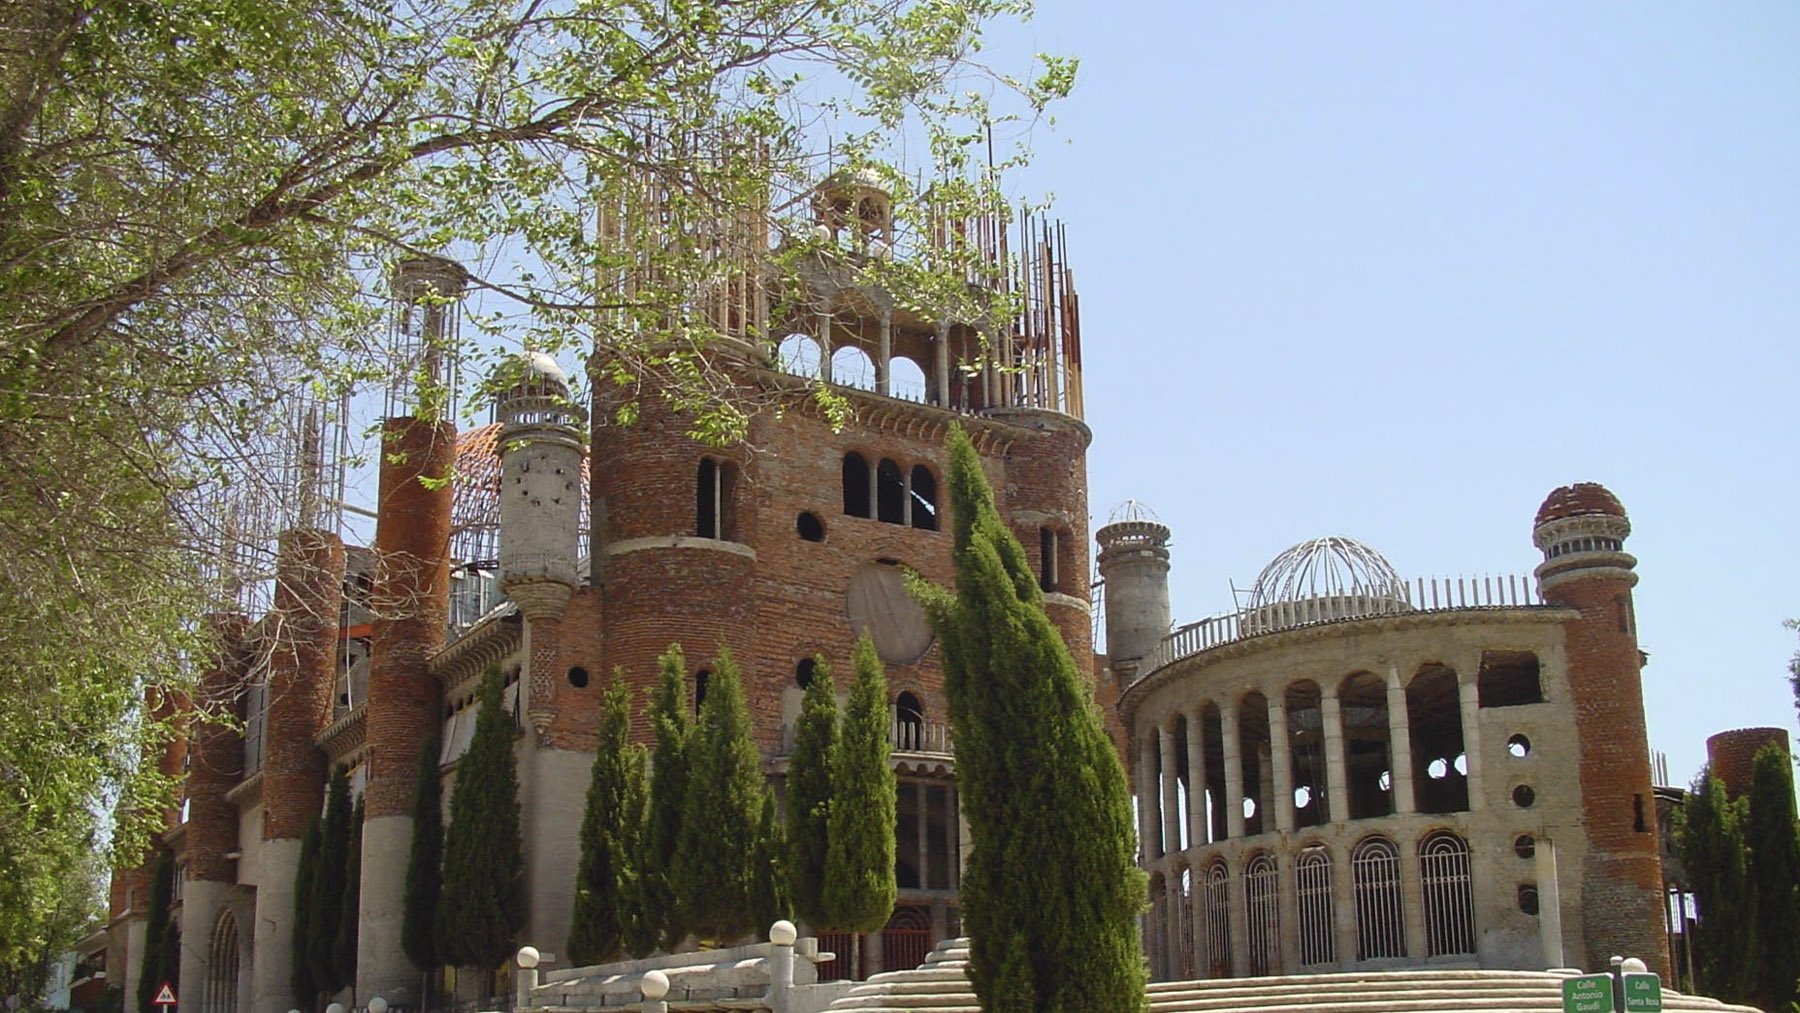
(578, 677)
(1525, 846)
(1524, 797)
(1519, 746)
(1528, 898)
(809, 527)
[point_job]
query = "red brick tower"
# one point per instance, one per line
(1731, 756)
(410, 599)
(1581, 530)
(215, 764)
(128, 908)
(303, 635)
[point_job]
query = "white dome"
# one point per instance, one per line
(1331, 567)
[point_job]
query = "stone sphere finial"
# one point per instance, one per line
(783, 933)
(336, 1007)
(378, 1005)
(528, 957)
(655, 984)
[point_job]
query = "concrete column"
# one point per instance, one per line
(1549, 904)
(941, 367)
(884, 351)
(1412, 899)
(924, 842)
(1343, 903)
(1234, 774)
(201, 902)
(1468, 690)
(1196, 747)
(1281, 756)
(1400, 744)
(411, 602)
(1172, 932)
(1239, 919)
(822, 325)
(1171, 798)
(271, 965)
(1288, 895)
(1197, 922)
(1149, 844)
(1337, 785)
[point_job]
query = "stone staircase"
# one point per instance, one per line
(941, 985)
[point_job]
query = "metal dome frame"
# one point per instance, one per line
(1329, 567)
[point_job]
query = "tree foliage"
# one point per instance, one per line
(714, 872)
(1774, 872)
(668, 799)
(482, 907)
(769, 897)
(1051, 893)
(859, 870)
(343, 944)
(198, 201)
(607, 916)
(327, 903)
(808, 797)
(1709, 834)
(306, 874)
(424, 863)
(161, 959)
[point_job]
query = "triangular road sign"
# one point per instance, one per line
(165, 996)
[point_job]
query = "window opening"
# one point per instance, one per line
(1318, 926)
(1306, 749)
(924, 498)
(1262, 897)
(1047, 558)
(1519, 746)
(1218, 921)
(712, 499)
(1375, 883)
(856, 485)
(1528, 898)
(890, 493)
(852, 367)
(906, 379)
(1525, 846)
(1434, 716)
(1449, 903)
(1509, 679)
(1524, 797)
(798, 354)
(701, 678)
(1258, 779)
(909, 722)
(809, 527)
(578, 677)
(804, 670)
(1366, 758)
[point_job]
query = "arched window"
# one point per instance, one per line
(1184, 918)
(1306, 754)
(1048, 577)
(890, 492)
(1218, 920)
(909, 722)
(1449, 903)
(701, 678)
(856, 485)
(713, 487)
(1375, 882)
(220, 994)
(852, 367)
(906, 380)
(1434, 715)
(1318, 931)
(798, 354)
(1366, 753)
(924, 498)
(1262, 895)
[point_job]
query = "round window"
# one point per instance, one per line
(878, 604)
(1525, 846)
(1519, 746)
(1523, 796)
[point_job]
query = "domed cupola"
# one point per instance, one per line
(1581, 529)
(1323, 580)
(854, 206)
(541, 485)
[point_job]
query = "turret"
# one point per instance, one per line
(855, 206)
(1134, 564)
(540, 488)
(1581, 530)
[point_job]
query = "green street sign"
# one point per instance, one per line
(1590, 993)
(1643, 993)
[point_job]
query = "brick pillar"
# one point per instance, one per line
(309, 578)
(411, 602)
(215, 763)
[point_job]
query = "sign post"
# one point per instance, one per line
(165, 997)
(1643, 993)
(1588, 993)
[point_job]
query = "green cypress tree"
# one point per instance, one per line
(327, 904)
(343, 947)
(607, 894)
(482, 907)
(154, 963)
(1051, 894)
(668, 798)
(1774, 874)
(425, 863)
(306, 873)
(1710, 839)
(715, 854)
(769, 897)
(809, 796)
(859, 869)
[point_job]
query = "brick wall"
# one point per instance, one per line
(216, 755)
(1732, 755)
(302, 679)
(411, 601)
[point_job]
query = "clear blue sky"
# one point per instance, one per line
(1395, 271)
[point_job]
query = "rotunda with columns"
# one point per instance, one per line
(1362, 771)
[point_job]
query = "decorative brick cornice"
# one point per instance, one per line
(487, 643)
(346, 734)
(247, 793)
